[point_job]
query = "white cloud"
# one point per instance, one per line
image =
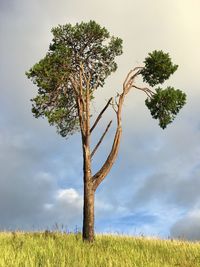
(69, 196)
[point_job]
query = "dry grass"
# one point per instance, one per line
(54, 249)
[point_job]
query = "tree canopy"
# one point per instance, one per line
(89, 47)
(85, 46)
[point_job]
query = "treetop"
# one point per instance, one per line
(79, 59)
(80, 54)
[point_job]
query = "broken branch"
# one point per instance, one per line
(101, 139)
(100, 114)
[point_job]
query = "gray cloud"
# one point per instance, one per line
(6, 6)
(168, 189)
(187, 227)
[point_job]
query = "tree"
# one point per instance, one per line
(77, 63)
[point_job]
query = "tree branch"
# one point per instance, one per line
(74, 84)
(87, 80)
(101, 174)
(138, 68)
(80, 102)
(100, 115)
(101, 139)
(114, 104)
(148, 91)
(127, 78)
(130, 77)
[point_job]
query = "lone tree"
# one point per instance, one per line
(77, 63)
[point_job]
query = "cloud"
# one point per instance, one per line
(31, 176)
(188, 227)
(156, 171)
(168, 189)
(65, 209)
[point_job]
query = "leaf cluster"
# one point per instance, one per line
(55, 99)
(92, 46)
(84, 46)
(158, 68)
(165, 104)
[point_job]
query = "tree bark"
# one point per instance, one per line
(88, 194)
(88, 213)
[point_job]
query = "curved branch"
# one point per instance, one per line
(101, 174)
(127, 85)
(127, 78)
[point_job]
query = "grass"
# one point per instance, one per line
(54, 249)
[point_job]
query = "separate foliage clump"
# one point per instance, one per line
(77, 63)
(158, 68)
(164, 105)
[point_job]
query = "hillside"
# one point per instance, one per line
(61, 250)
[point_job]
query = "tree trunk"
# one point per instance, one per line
(88, 204)
(88, 213)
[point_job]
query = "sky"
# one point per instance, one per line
(153, 188)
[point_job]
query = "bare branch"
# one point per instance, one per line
(101, 174)
(100, 114)
(80, 101)
(87, 80)
(148, 91)
(81, 116)
(127, 78)
(101, 139)
(88, 110)
(137, 68)
(104, 170)
(137, 73)
(114, 105)
(131, 76)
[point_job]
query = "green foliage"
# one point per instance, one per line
(53, 249)
(158, 68)
(90, 47)
(165, 104)
(85, 44)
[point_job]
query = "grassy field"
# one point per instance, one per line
(56, 249)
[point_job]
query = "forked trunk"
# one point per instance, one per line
(91, 182)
